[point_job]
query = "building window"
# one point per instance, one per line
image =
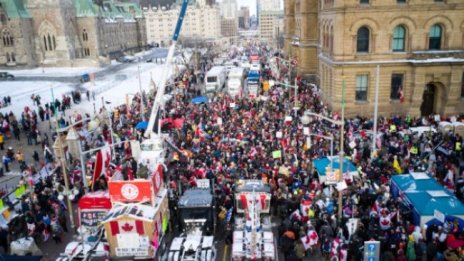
(361, 87)
(8, 57)
(7, 38)
(399, 35)
(49, 42)
(13, 58)
(401, 1)
(363, 40)
(364, 1)
(462, 86)
(396, 86)
(435, 37)
(45, 43)
(85, 36)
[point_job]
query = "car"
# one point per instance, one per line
(6, 76)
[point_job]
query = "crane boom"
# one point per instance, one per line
(164, 76)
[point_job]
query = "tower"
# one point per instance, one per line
(54, 30)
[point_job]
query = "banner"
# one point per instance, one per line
(91, 218)
(130, 191)
(157, 179)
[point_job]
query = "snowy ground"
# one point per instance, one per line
(112, 87)
(54, 72)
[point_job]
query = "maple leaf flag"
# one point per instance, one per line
(127, 226)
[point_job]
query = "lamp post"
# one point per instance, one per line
(59, 152)
(290, 67)
(341, 123)
(295, 88)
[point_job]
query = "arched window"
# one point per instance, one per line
(85, 36)
(13, 58)
(7, 38)
(363, 40)
(50, 46)
(8, 57)
(399, 35)
(45, 43)
(54, 43)
(435, 37)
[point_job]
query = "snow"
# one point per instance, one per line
(54, 71)
(112, 87)
(20, 93)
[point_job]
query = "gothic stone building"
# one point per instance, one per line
(418, 45)
(68, 32)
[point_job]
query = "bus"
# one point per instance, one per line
(253, 83)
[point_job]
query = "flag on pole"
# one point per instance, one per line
(102, 162)
(98, 167)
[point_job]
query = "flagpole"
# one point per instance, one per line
(142, 106)
(376, 108)
(341, 155)
(54, 106)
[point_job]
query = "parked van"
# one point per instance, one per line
(215, 79)
(235, 82)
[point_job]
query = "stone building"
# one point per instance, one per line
(201, 22)
(229, 27)
(68, 32)
(417, 44)
(270, 26)
(244, 17)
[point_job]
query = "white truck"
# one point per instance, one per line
(235, 82)
(215, 79)
(253, 238)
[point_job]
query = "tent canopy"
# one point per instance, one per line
(425, 202)
(415, 181)
(322, 164)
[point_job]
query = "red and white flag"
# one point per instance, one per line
(335, 247)
(401, 94)
(102, 162)
(127, 226)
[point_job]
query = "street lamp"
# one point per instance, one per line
(59, 152)
(307, 118)
(72, 139)
(295, 88)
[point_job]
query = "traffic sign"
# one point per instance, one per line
(371, 250)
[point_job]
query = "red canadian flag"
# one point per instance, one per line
(102, 162)
(127, 226)
(244, 201)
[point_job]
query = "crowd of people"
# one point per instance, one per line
(232, 138)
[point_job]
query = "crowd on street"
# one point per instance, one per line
(232, 138)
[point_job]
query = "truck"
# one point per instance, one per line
(253, 84)
(215, 79)
(235, 82)
(197, 222)
(253, 238)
